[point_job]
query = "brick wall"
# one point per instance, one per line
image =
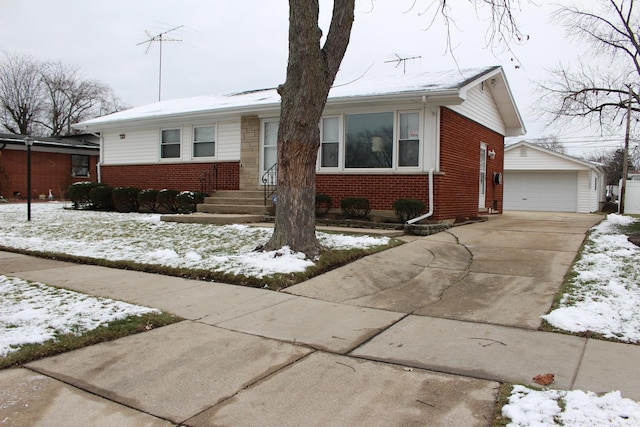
(381, 190)
(49, 171)
(457, 191)
(177, 176)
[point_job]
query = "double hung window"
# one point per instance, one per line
(170, 144)
(409, 140)
(204, 141)
(330, 142)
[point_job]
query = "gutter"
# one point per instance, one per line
(428, 214)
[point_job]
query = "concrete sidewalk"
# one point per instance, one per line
(417, 335)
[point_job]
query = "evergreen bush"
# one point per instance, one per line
(78, 193)
(147, 200)
(406, 209)
(323, 204)
(355, 207)
(167, 201)
(101, 198)
(125, 199)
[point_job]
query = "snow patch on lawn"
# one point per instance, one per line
(606, 291)
(144, 239)
(528, 408)
(32, 312)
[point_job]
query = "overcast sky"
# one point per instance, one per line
(233, 45)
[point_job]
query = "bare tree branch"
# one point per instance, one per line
(597, 95)
(38, 98)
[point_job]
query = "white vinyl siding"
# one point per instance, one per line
(137, 147)
(143, 147)
(481, 108)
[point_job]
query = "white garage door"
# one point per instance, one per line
(541, 191)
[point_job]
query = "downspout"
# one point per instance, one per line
(99, 136)
(428, 214)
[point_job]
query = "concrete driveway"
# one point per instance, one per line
(504, 271)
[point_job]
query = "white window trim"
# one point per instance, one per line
(193, 142)
(396, 145)
(420, 140)
(169, 159)
(319, 166)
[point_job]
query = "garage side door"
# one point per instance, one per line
(541, 191)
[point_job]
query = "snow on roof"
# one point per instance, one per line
(67, 142)
(428, 82)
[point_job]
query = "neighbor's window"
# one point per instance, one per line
(330, 142)
(79, 165)
(170, 144)
(409, 143)
(369, 140)
(204, 141)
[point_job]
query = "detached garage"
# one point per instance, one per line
(538, 179)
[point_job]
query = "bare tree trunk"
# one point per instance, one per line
(310, 73)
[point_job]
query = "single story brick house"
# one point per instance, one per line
(539, 179)
(56, 163)
(381, 138)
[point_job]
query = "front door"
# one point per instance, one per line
(483, 176)
(269, 155)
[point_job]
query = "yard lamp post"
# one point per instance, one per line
(28, 142)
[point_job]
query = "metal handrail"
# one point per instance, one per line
(209, 180)
(269, 182)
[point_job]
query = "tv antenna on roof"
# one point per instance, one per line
(400, 60)
(160, 37)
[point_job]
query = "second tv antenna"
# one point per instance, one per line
(160, 37)
(402, 60)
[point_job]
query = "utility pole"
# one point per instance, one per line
(625, 157)
(159, 38)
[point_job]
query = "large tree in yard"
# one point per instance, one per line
(311, 70)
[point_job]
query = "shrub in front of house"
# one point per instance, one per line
(323, 204)
(406, 209)
(125, 199)
(355, 207)
(187, 200)
(167, 201)
(78, 193)
(101, 198)
(147, 200)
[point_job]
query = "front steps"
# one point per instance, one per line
(248, 202)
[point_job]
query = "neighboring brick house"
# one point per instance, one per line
(380, 139)
(56, 163)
